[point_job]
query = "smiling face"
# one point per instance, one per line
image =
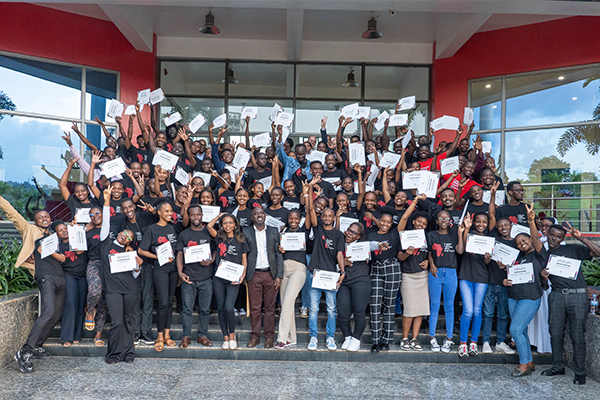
(348, 185)
(96, 216)
(140, 142)
(125, 237)
(342, 201)
(517, 192)
(290, 188)
(161, 139)
(463, 146)
(206, 198)
(370, 201)
(488, 178)
(385, 223)
(316, 169)
(330, 162)
(165, 212)
(258, 190)
(110, 152)
(523, 243)
(62, 232)
(545, 226)
(128, 208)
(81, 192)
(111, 141)
(228, 225)
(177, 149)
(424, 152)
(294, 219)
(136, 169)
(227, 156)
(162, 176)
(328, 216)
(146, 170)
(476, 192)
(503, 227)
(400, 199)
(481, 223)
(322, 147)
(392, 188)
(258, 216)
(276, 195)
(443, 220)
(195, 215)
(242, 197)
(420, 223)
(353, 233)
(117, 191)
(197, 185)
(206, 166)
(448, 198)
(300, 153)
(555, 237)
(320, 205)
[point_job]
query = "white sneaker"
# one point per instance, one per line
(434, 345)
(354, 344)
(225, 345)
(312, 345)
(236, 312)
(487, 348)
(232, 345)
(503, 347)
(242, 312)
(331, 346)
(463, 351)
(346, 343)
(473, 349)
(447, 345)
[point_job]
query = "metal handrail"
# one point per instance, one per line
(560, 183)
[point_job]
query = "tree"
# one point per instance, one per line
(5, 104)
(549, 162)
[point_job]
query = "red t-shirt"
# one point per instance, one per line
(426, 165)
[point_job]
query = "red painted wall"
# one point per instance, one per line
(561, 43)
(56, 35)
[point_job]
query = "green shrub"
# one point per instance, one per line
(13, 280)
(591, 271)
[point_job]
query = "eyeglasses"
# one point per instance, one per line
(353, 232)
(443, 219)
(518, 190)
(94, 214)
(126, 236)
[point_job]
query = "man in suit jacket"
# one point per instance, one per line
(263, 275)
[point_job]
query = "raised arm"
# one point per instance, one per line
(361, 186)
(65, 178)
(247, 132)
(101, 123)
(83, 138)
(492, 206)
(91, 182)
(211, 225)
(105, 229)
(384, 186)
(310, 207)
(409, 211)
(535, 238)
(454, 143)
(186, 145)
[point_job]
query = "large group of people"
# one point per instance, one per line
(300, 220)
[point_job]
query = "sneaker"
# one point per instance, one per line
(40, 352)
(279, 345)
(303, 312)
(290, 344)
(137, 339)
(434, 345)
(331, 346)
(225, 345)
(503, 348)
(232, 345)
(236, 312)
(242, 312)
(23, 359)
(129, 358)
(111, 361)
(447, 345)
(147, 338)
(473, 349)
(487, 349)
(405, 344)
(312, 346)
(354, 344)
(346, 343)
(463, 351)
(415, 345)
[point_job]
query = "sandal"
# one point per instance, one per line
(169, 342)
(67, 344)
(89, 323)
(159, 345)
(99, 343)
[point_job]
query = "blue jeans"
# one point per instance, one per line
(472, 298)
(447, 283)
(315, 298)
(496, 294)
(304, 292)
(203, 291)
(521, 314)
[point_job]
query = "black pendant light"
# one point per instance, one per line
(351, 82)
(209, 27)
(372, 32)
(231, 78)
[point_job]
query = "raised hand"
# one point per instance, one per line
(494, 188)
(573, 231)
(96, 157)
(324, 122)
(182, 133)
(67, 138)
(347, 121)
(530, 213)
(467, 222)
(107, 194)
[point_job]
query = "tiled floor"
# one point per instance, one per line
(91, 378)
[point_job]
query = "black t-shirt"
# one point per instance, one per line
(75, 264)
(443, 248)
(138, 155)
(93, 243)
(338, 174)
(473, 208)
(115, 206)
(532, 290)
(299, 176)
(328, 190)
(227, 201)
(281, 214)
(516, 214)
(142, 220)
(231, 250)
(156, 235)
(358, 271)
(299, 255)
(254, 176)
(327, 244)
(128, 187)
(188, 238)
(48, 265)
(120, 282)
(292, 202)
(497, 274)
(575, 251)
(368, 223)
(397, 216)
(245, 216)
(74, 203)
(473, 268)
(392, 238)
(353, 202)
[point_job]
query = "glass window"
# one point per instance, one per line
(262, 123)
(391, 82)
(486, 100)
(101, 88)
(309, 115)
(496, 139)
(326, 81)
(418, 119)
(192, 78)
(189, 108)
(256, 79)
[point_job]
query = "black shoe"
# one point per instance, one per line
(129, 358)
(111, 361)
(374, 348)
(40, 352)
(137, 338)
(384, 347)
(23, 359)
(147, 338)
(553, 371)
(579, 380)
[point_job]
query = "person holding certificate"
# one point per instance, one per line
(368, 213)
(568, 301)
(155, 244)
(276, 209)
(231, 246)
(243, 211)
(526, 280)
(195, 272)
(80, 199)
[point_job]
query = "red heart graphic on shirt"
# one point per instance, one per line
(162, 239)
(192, 243)
(513, 219)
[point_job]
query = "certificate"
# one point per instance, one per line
(398, 120)
(284, 119)
(197, 253)
(164, 252)
(115, 109)
(197, 123)
(563, 266)
(233, 171)
(325, 280)
(122, 262)
(77, 239)
(251, 112)
(381, 120)
(156, 96)
(390, 160)
(317, 155)
(500, 197)
(345, 222)
(113, 168)
(293, 241)
(478, 244)
(429, 185)
(275, 111)
(407, 103)
(143, 96)
(130, 110)
(230, 271)
(220, 121)
(415, 238)
(516, 229)
(210, 212)
(172, 119)
(274, 222)
(204, 176)
(350, 110)
(357, 154)
(462, 216)
(411, 180)
(182, 176)
(468, 118)
(358, 251)
(337, 188)
(266, 182)
(373, 177)
(445, 122)
(486, 147)
(449, 165)
(49, 245)
(166, 160)
(291, 205)
(82, 215)
(363, 112)
(262, 140)
(505, 254)
(520, 273)
(242, 156)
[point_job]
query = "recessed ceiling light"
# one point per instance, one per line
(494, 106)
(560, 78)
(574, 98)
(488, 86)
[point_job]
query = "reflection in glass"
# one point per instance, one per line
(391, 82)
(257, 79)
(325, 81)
(190, 108)
(309, 115)
(197, 78)
(101, 88)
(262, 123)
(486, 100)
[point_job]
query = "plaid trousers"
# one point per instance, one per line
(385, 283)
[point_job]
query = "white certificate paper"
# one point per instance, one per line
(317, 155)
(204, 176)
(166, 160)
(358, 251)
(262, 140)
(197, 123)
(197, 253)
(82, 215)
(414, 238)
(172, 119)
(363, 112)
(284, 119)
(350, 110)
(291, 205)
(130, 110)
(49, 245)
(113, 168)
(210, 212)
(357, 153)
(77, 239)
(220, 121)
(373, 177)
(251, 112)
(164, 252)
(242, 156)
(411, 180)
(266, 182)
(156, 96)
(520, 273)
(445, 122)
(122, 262)
(429, 185)
(563, 266)
(293, 241)
(478, 244)
(143, 96)
(449, 165)
(230, 271)
(275, 111)
(516, 229)
(182, 176)
(325, 280)
(345, 222)
(115, 109)
(398, 120)
(468, 118)
(407, 103)
(486, 147)
(381, 120)
(274, 222)
(500, 197)
(505, 254)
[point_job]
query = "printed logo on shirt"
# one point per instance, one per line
(328, 243)
(162, 240)
(192, 243)
(439, 252)
(71, 255)
(129, 192)
(224, 201)
(97, 237)
(140, 158)
(513, 219)
(187, 162)
(222, 249)
(113, 251)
